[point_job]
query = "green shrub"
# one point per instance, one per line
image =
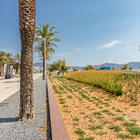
(134, 130)
(79, 132)
(116, 128)
(123, 136)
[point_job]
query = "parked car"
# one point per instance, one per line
(8, 76)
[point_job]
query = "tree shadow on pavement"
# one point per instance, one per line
(10, 81)
(7, 120)
(3, 104)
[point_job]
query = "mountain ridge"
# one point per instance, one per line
(134, 65)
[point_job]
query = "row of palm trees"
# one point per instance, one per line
(9, 59)
(42, 31)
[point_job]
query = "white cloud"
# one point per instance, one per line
(95, 8)
(129, 47)
(111, 44)
(79, 50)
(88, 50)
(63, 54)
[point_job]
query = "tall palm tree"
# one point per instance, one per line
(16, 66)
(8, 60)
(40, 50)
(43, 32)
(2, 61)
(17, 59)
(27, 30)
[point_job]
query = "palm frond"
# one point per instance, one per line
(50, 34)
(38, 31)
(55, 39)
(37, 39)
(45, 32)
(53, 44)
(55, 33)
(52, 29)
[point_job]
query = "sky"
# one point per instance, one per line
(92, 31)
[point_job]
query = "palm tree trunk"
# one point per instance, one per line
(7, 68)
(18, 65)
(43, 67)
(2, 68)
(27, 29)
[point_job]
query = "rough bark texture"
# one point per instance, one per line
(27, 29)
(43, 67)
(2, 70)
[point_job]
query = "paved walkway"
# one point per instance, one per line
(9, 86)
(35, 129)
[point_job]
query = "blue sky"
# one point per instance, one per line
(92, 31)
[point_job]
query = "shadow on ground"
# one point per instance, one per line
(10, 81)
(3, 104)
(7, 120)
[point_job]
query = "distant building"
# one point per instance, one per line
(104, 68)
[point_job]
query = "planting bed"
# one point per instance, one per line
(93, 113)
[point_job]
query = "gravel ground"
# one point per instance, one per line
(35, 129)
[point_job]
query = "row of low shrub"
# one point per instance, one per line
(107, 80)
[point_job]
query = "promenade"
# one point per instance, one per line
(10, 129)
(9, 86)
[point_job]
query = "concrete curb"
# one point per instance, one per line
(58, 129)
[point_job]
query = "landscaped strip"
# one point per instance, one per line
(116, 82)
(91, 113)
(58, 129)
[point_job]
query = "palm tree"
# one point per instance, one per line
(40, 50)
(43, 32)
(27, 30)
(2, 61)
(8, 60)
(16, 66)
(17, 58)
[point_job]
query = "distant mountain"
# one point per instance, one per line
(38, 64)
(134, 65)
(77, 67)
(109, 65)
